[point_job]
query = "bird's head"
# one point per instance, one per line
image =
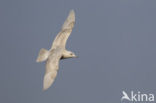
(69, 54)
(72, 54)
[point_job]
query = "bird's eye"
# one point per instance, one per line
(71, 53)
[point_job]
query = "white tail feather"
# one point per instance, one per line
(43, 55)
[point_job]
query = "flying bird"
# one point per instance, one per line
(57, 51)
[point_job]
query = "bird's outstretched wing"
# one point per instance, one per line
(52, 66)
(66, 30)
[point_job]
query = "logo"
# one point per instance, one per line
(137, 96)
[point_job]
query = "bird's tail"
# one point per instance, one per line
(43, 55)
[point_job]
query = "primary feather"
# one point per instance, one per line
(66, 30)
(52, 66)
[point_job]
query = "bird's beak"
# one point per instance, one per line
(76, 56)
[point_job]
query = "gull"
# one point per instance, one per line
(57, 52)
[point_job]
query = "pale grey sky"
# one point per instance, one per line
(114, 39)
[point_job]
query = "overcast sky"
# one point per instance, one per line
(114, 39)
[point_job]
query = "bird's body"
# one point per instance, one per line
(57, 51)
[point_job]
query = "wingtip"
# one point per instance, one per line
(72, 12)
(44, 89)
